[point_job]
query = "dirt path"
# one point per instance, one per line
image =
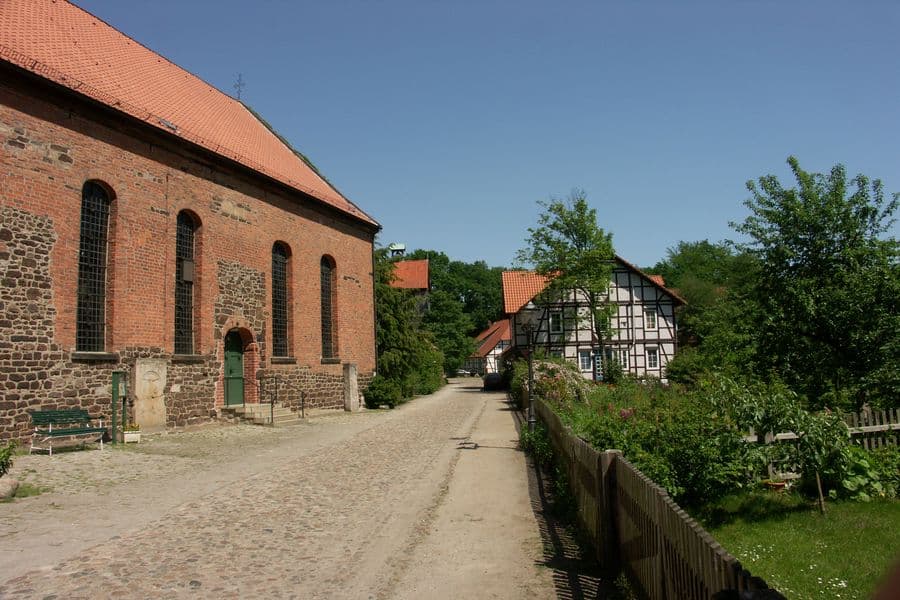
(484, 541)
(340, 507)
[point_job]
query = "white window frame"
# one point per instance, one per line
(654, 353)
(582, 355)
(620, 355)
(555, 325)
(650, 315)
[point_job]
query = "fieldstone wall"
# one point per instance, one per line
(190, 384)
(242, 293)
(36, 373)
(321, 390)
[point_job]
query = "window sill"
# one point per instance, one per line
(331, 361)
(283, 360)
(188, 359)
(95, 356)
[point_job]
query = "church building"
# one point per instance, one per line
(153, 225)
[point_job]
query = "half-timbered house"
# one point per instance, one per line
(491, 342)
(642, 328)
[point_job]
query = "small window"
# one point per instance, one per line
(556, 354)
(585, 360)
(649, 317)
(556, 325)
(652, 358)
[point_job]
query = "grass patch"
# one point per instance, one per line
(805, 555)
(29, 489)
(25, 490)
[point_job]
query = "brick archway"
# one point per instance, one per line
(251, 360)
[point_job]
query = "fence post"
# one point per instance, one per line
(608, 544)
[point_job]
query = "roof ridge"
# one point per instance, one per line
(299, 154)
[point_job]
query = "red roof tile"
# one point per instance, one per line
(411, 274)
(58, 41)
(519, 287)
(658, 280)
(493, 335)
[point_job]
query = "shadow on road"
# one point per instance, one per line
(576, 574)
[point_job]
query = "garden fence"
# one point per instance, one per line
(869, 429)
(638, 529)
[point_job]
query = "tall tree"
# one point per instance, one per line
(575, 253)
(829, 285)
(407, 353)
(475, 285)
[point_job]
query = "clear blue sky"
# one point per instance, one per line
(448, 120)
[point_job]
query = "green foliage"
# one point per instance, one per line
(383, 391)
(464, 299)
(716, 328)
(673, 438)
(612, 371)
(448, 324)
(6, 457)
(407, 354)
(536, 444)
(828, 285)
(575, 253)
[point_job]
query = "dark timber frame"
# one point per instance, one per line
(632, 293)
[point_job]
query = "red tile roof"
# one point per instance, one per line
(492, 336)
(58, 41)
(411, 274)
(519, 287)
(658, 280)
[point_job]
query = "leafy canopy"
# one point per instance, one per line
(828, 285)
(574, 252)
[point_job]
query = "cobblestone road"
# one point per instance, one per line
(332, 509)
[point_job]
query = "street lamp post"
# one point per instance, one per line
(528, 328)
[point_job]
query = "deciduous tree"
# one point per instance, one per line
(828, 286)
(575, 253)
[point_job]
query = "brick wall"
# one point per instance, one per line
(51, 145)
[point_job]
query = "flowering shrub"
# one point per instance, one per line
(6, 453)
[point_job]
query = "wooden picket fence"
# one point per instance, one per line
(638, 529)
(874, 429)
(868, 429)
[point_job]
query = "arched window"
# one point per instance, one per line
(90, 319)
(281, 305)
(329, 312)
(185, 278)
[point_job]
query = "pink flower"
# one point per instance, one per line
(626, 413)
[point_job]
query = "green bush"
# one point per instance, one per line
(383, 391)
(6, 454)
(536, 444)
(672, 438)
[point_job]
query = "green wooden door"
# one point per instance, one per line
(234, 369)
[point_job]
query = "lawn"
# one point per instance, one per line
(806, 555)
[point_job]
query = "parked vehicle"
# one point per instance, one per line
(492, 381)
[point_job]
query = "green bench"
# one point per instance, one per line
(72, 423)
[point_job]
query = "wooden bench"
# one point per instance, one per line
(73, 423)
